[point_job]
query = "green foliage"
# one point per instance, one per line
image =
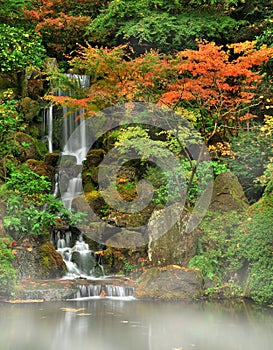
(231, 243)
(164, 25)
(252, 243)
(22, 219)
(12, 10)
(252, 152)
(31, 209)
(31, 186)
(10, 122)
(128, 268)
(7, 272)
(18, 49)
(214, 240)
(169, 33)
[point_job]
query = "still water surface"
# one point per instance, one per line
(107, 324)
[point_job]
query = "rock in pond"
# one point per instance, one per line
(169, 283)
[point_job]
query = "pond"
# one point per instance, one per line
(119, 324)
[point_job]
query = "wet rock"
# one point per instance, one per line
(169, 282)
(228, 194)
(46, 290)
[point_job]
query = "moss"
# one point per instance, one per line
(52, 264)
(52, 159)
(89, 187)
(30, 108)
(41, 149)
(26, 147)
(38, 166)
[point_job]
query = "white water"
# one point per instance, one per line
(86, 260)
(73, 123)
(106, 290)
(48, 127)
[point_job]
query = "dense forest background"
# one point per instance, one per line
(210, 61)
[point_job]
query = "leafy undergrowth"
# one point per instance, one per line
(235, 253)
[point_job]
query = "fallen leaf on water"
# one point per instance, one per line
(70, 309)
(26, 301)
(83, 314)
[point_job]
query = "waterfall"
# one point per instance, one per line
(79, 259)
(76, 148)
(74, 188)
(48, 126)
(105, 290)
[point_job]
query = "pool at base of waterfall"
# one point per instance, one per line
(113, 324)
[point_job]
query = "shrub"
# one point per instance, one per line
(19, 48)
(7, 272)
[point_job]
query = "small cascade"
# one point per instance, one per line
(74, 189)
(105, 290)
(79, 259)
(56, 186)
(48, 126)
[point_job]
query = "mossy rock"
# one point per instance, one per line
(89, 187)
(169, 283)
(37, 260)
(93, 158)
(52, 264)
(34, 130)
(30, 108)
(52, 159)
(27, 147)
(123, 260)
(228, 194)
(38, 166)
(41, 149)
(175, 245)
(90, 175)
(95, 200)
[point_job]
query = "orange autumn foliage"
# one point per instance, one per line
(220, 83)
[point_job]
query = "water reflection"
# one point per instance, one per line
(105, 324)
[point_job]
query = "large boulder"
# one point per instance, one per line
(169, 282)
(177, 245)
(36, 259)
(228, 194)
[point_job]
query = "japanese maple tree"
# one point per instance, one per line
(219, 86)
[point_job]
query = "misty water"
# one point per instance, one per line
(111, 324)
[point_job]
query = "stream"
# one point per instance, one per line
(111, 324)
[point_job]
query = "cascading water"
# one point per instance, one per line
(48, 127)
(79, 259)
(106, 290)
(77, 148)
